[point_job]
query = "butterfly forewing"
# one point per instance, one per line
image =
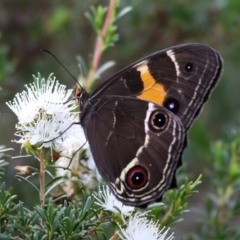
(180, 79)
(138, 159)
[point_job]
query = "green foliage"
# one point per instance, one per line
(6, 67)
(96, 18)
(222, 206)
(3, 158)
(176, 202)
(69, 221)
(6, 204)
(58, 19)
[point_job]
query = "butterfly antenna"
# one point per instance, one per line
(45, 50)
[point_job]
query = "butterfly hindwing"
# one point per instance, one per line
(137, 147)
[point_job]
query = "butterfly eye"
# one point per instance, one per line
(189, 67)
(137, 177)
(158, 120)
(172, 105)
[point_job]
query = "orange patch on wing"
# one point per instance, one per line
(153, 91)
(77, 91)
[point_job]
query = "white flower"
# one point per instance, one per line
(68, 150)
(50, 97)
(44, 113)
(109, 202)
(85, 171)
(46, 119)
(74, 141)
(92, 174)
(140, 228)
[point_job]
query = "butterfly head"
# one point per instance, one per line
(78, 92)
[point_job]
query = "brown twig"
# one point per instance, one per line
(42, 179)
(114, 236)
(99, 43)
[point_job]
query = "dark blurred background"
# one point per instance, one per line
(61, 27)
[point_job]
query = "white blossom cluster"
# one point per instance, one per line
(139, 227)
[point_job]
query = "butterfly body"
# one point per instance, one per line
(136, 122)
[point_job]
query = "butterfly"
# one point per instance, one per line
(136, 122)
